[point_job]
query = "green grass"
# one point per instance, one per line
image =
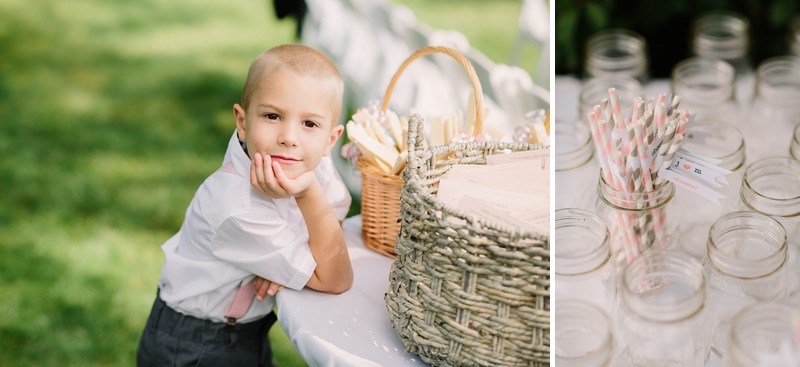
(111, 115)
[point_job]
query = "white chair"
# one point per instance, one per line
(534, 31)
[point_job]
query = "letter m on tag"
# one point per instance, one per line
(698, 171)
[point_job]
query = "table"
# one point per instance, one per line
(352, 328)
(567, 90)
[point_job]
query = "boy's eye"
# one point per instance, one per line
(271, 116)
(310, 124)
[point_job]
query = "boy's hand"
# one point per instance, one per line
(268, 178)
(265, 287)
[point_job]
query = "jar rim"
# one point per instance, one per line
(584, 219)
(660, 196)
(632, 63)
(620, 82)
(579, 150)
(748, 188)
(726, 128)
(755, 314)
(721, 34)
(716, 72)
(713, 246)
(772, 73)
(584, 309)
(656, 311)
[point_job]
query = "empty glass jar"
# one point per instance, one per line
(617, 52)
(663, 318)
(576, 167)
(726, 36)
(774, 112)
(707, 88)
(584, 269)
(765, 334)
(745, 263)
(595, 89)
(723, 142)
(584, 336)
(771, 186)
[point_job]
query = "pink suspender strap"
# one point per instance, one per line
(241, 302)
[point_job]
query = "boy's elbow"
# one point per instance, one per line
(342, 285)
(332, 286)
(339, 289)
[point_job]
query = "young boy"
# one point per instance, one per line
(269, 217)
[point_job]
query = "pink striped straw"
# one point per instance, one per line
(598, 144)
(603, 146)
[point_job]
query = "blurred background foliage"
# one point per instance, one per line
(112, 113)
(666, 26)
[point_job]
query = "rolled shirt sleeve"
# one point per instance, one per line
(266, 247)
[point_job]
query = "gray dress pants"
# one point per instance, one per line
(174, 339)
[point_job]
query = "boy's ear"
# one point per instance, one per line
(336, 132)
(238, 114)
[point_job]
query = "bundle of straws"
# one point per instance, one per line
(631, 151)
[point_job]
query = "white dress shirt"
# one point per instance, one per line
(232, 232)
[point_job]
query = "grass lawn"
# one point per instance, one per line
(111, 115)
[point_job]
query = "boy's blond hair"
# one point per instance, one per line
(299, 59)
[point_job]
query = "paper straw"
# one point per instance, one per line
(623, 145)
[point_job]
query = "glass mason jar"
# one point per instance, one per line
(617, 52)
(637, 221)
(771, 186)
(774, 112)
(723, 142)
(576, 168)
(765, 334)
(663, 315)
(747, 254)
(726, 36)
(707, 88)
(584, 337)
(584, 269)
(596, 88)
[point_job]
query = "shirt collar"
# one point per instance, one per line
(236, 156)
(241, 163)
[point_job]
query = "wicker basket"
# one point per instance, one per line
(464, 291)
(380, 208)
(380, 192)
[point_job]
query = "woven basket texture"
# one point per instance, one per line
(380, 208)
(464, 291)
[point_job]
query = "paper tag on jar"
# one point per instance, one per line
(690, 184)
(701, 168)
(713, 161)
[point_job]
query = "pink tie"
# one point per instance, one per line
(241, 302)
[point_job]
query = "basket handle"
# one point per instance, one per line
(477, 91)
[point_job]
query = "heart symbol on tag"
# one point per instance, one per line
(686, 166)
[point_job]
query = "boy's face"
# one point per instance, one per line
(290, 118)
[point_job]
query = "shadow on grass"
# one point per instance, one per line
(49, 326)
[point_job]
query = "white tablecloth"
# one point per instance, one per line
(350, 329)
